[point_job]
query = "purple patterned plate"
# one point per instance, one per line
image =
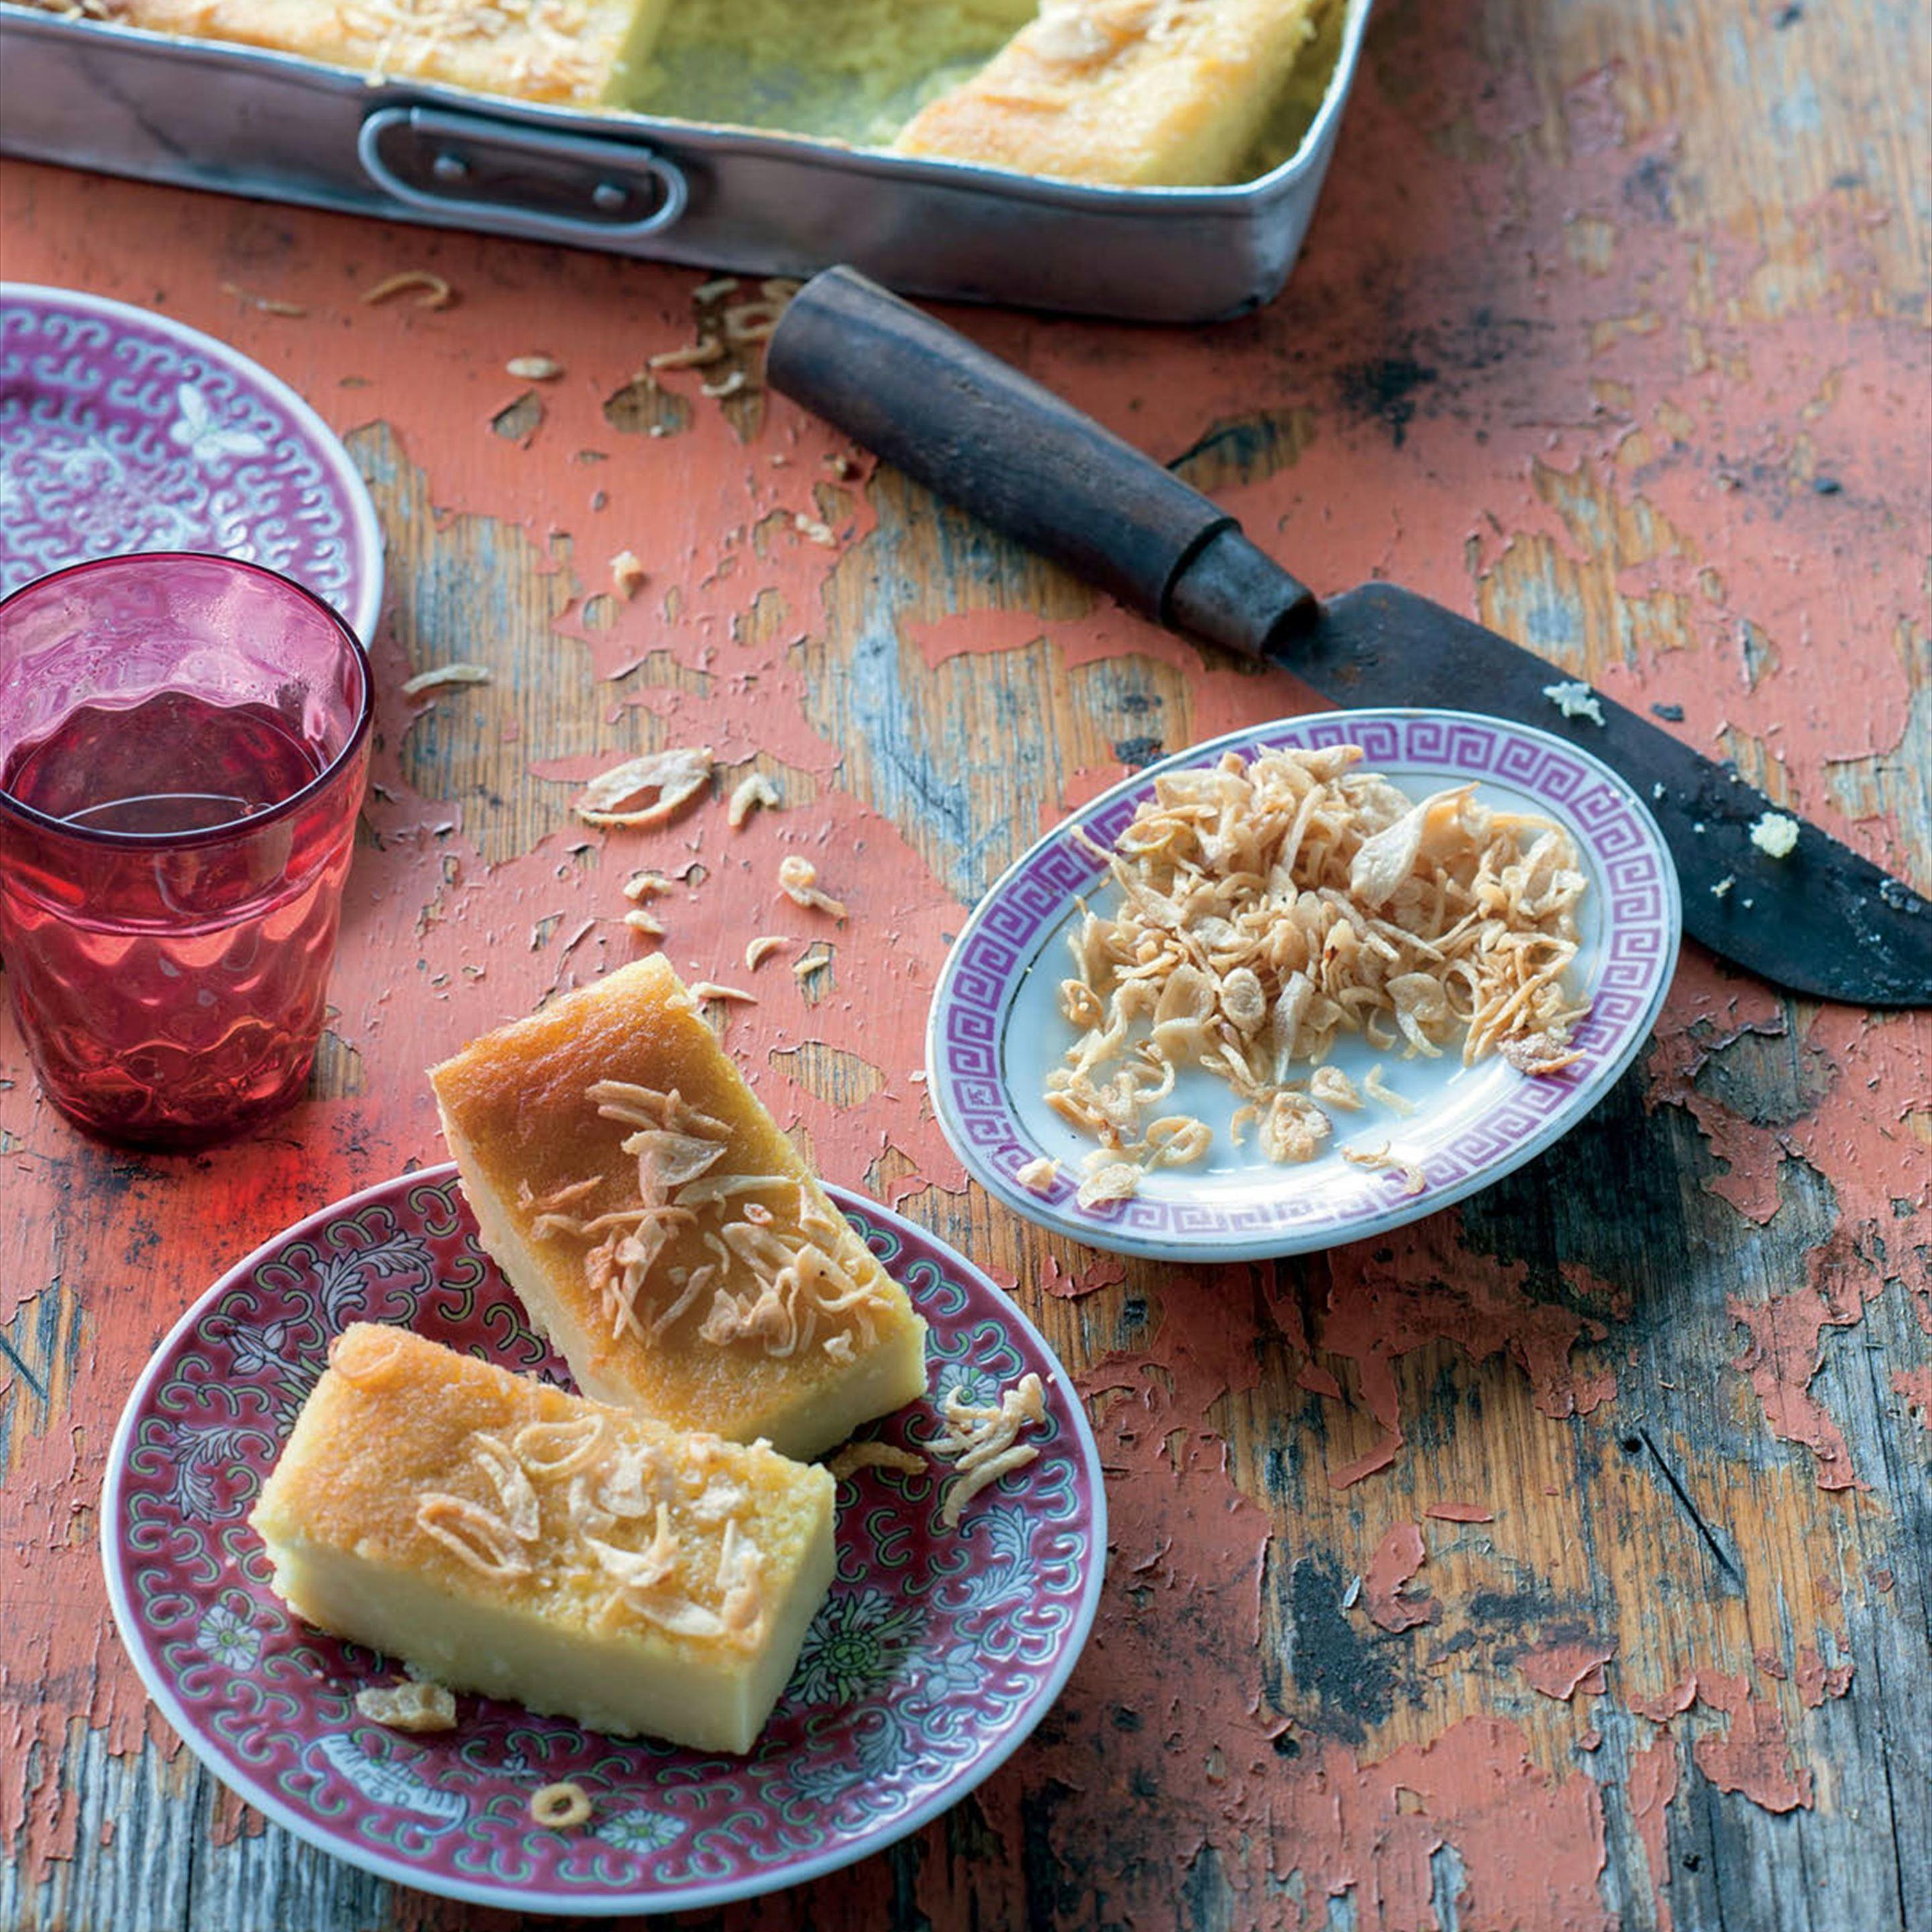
(933, 1658)
(996, 1028)
(121, 431)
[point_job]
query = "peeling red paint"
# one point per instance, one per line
(1915, 1386)
(1753, 1756)
(1653, 1773)
(1420, 1285)
(1560, 1670)
(1460, 1512)
(1781, 1350)
(1818, 1680)
(1399, 1555)
(1710, 1010)
(1107, 1272)
(1660, 1708)
(1532, 1845)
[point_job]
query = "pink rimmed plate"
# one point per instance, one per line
(934, 1658)
(996, 1030)
(122, 429)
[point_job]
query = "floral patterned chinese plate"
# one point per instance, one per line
(122, 429)
(933, 1658)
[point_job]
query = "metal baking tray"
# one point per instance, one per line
(201, 114)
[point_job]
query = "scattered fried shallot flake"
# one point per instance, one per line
(751, 321)
(1380, 1159)
(1333, 1088)
(814, 529)
(1775, 834)
(560, 1806)
(1539, 1053)
(534, 368)
(798, 880)
(733, 384)
(413, 1706)
(648, 923)
(697, 355)
(1267, 907)
(628, 574)
(472, 1533)
(448, 674)
(676, 777)
(709, 989)
(762, 948)
(716, 289)
(436, 293)
(1039, 1174)
(752, 791)
(266, 304)
(1112, 1180)
(1377, 1088)
(981, 1442)
(857, 1456)
(1177, 1140)
(1293, 1128)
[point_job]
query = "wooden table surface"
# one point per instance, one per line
(1562, 1561)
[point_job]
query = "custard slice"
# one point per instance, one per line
(662, 1231)
(583, 52)
(1132, 93)
(498, 1535)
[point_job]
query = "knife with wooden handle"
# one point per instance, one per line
(1819, 920)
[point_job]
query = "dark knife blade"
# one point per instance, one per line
(1821, 920)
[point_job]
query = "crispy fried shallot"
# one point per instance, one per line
(1268, 907)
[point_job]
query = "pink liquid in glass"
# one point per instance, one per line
(172, 861)
(173, 762)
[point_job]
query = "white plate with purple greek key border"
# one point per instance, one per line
(996, 1029)
(934, 1656)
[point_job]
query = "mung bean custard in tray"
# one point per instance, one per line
(1142, 93)
(1147, 158)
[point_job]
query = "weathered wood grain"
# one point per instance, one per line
(1610, 332)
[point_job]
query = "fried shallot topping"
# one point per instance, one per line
(751, 792)
(981, 1441)
(1269, 907)
(663, 782)
(432, 291)
(598, 1496)
(408, 1706)
(798, 880)
(857, 1456)
(474, 1535)
(1380, 1160)
(562, 1807)
(781, 1287)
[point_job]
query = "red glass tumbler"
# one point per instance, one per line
(184, 741)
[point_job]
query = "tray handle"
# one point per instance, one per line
(532, 181)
